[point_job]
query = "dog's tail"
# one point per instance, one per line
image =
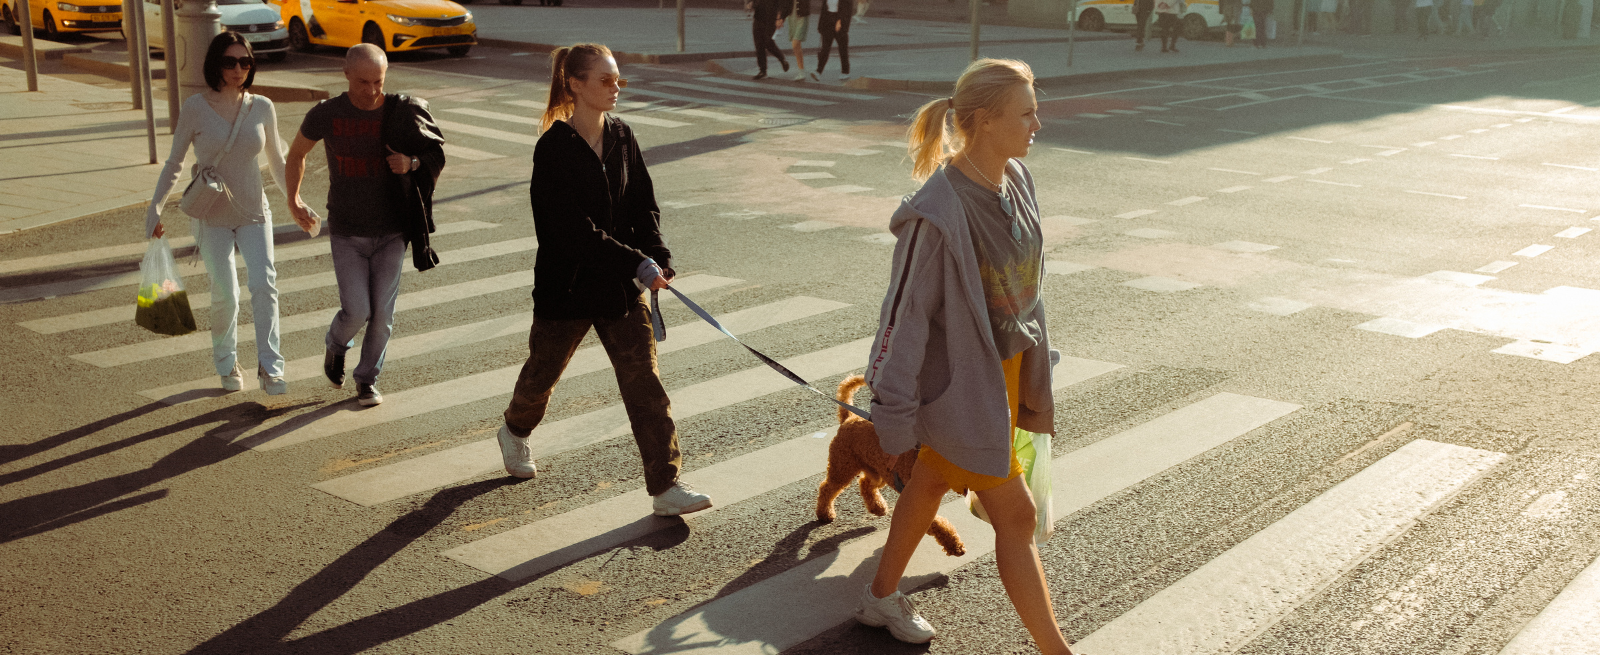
(847, 394)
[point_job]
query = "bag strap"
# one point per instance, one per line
(238, 121)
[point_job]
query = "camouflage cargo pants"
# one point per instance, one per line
(632, 349)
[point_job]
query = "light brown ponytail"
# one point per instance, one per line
(566, 63)
(983, 85)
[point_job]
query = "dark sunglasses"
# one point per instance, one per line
(622, 82)
(246, 63)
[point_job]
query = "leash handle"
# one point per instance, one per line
(773, 364)
(656, 326)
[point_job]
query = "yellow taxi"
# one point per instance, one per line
(394, 25)
(57, 18)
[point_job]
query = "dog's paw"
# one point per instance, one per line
(825, 517)
(956, 551)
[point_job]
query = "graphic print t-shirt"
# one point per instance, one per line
(361, 189)
(1009, 265)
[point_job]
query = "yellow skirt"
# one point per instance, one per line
(959, 479)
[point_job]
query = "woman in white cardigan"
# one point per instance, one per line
(206, 121)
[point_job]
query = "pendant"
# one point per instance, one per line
(1005, 206)
(1016, 230)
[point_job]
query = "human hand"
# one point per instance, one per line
(303, 216)
(160, 231)
(398, 163)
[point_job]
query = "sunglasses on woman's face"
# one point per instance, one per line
(246, 63)
(621, 82)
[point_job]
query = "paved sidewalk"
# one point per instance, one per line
(72, 150)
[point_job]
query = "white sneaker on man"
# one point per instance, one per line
(516, 455)
(680, 499)
(896, 612)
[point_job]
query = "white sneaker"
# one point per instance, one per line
(800, 75)
(515, 454)
(680, 499)
(234, 380)
(896, 612)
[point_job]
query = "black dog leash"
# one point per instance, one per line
(661, 335)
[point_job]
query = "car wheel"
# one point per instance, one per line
(299, 39)
(50, 30)
(1194, 27)
(1092, 21)
(371, 34)
(276, 57)
(459, 50)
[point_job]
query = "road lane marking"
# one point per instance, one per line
(1250, 587)
(559, 540)
(846, 188)
(454, 465)
(1423, 144)
(1244, 246)
(1457, 277)
(1452, 137)
(1186, 201)
(1076, 152)
(1573, 232)
(1231, 170)
(789, 89)
(1149, 108)
(1549, 352)
(1152, 120)
(1238, 132)
(760, 109)
(1151, 233)
(802, 602)
(487, 132)
(1457, 154)
(1578, 168)
(1301, 138)
(1278, 306)
(1332, 182)
(280, 254)
(1234, 189)
(1436, 195)
(1559, 209)
(744, 94)
(1137, 213)
(1357, 160)
(813, 162)
(1494, 267)
(1158, 284)
(1399, 327)
(1280, 178)
(1533, 251)
(104, 252)
(812, 175)
(1090, 115)
(110, 315)
(454, 151)
(1315, 171)
(1151, 161)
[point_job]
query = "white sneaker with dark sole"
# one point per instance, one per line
(515, 454)
(896, 613)
(680, 499)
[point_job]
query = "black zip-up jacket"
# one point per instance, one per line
(597, 220)
(409, 129)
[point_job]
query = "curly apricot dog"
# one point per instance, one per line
(854, 452)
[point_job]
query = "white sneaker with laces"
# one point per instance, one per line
(234, 380)
(897, 613)
(516, 455)
(678, 499)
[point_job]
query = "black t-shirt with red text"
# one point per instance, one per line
(362, 191)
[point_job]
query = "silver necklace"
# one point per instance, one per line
(1005, 201)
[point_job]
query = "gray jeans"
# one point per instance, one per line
(368, 270)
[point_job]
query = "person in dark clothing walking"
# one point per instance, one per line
(766, 21)
(1141, 18)
(600, 246)
(1260, 13)
(834, 25)
(1167, 23)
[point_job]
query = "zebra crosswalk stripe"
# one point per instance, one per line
(787, 89)
(1569, 624)
(549, 543)
(1221, 605)
(746, 94)
(463, 462)
(798, 604)
(486, 132)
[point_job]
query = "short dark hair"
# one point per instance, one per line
(219, 46)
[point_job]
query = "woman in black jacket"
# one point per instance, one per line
(600, 246)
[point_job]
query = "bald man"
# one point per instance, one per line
(372, 211)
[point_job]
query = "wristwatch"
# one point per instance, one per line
(415, 163)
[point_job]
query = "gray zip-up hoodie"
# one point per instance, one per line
(934, 370)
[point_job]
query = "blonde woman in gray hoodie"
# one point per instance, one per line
(962, 356)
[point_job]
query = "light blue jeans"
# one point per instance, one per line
(368, 270)
(254, 242)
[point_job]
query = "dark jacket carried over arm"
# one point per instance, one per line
(597, 220)
(409, 129)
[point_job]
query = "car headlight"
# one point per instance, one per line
(66, 7)
(278, 25)
(467, 18)
(403, 20)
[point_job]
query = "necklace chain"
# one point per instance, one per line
(999, 189)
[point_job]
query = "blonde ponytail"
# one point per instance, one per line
(566, 63)
(984, 85)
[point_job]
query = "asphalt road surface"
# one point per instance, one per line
(1326, 389)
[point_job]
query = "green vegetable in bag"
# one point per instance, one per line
(163, 305)
(1033, 453)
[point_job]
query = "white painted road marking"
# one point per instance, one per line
(802, 602)
(1533, 251)
(1437, 195)
(1244, 246)
(788, 88)
(1573, 232)
(1186, 201)
(1399, 328)
(1149, 161)
(1494, 267)
(1136, 213)
(464, 462)
(1160, 284)
(487, 133)
(1221, 605)
(1457, 154)
(744, 94)
(1559, 209)
(1550, 352)
(1331, 182)
(1233, 189)
(1301, 138)
(454, 151)
(1230, 170)
(1278, 306)
(1580, 168)
(1280, 178)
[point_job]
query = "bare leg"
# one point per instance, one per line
(913, 513)
(799, 55)
(1011, 511)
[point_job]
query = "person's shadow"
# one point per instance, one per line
(39, 513)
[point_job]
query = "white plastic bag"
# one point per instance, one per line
(1033, 452)
(163, 305)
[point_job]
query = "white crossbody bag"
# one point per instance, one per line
(207, 196)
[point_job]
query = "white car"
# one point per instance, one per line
(1200, 17)
(260, 23)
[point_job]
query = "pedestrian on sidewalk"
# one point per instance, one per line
(861, 11)
(964, 298)
(1424, 12)
(207, 121)
(1231, 10)
(600, 247)
(799, 23)
(1261, 15)
(1141, 21)
(1483, 17)
(1167, 23)
(371, 216)
(766, 21)
(834, 25)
